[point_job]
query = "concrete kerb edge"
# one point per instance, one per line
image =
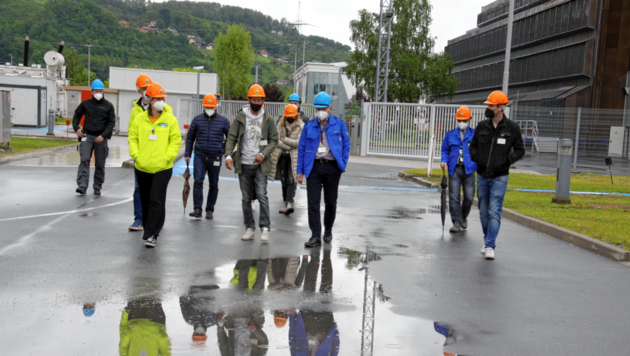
(130, 163)
(586, 242)
(418, 180)
(41, 151)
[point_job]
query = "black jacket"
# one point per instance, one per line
(100, 117)
(495, 150)
(207, 135)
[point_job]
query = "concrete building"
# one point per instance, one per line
(565, 54)
(181, 88)
(313, 77)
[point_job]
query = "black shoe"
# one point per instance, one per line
(328, 236)
(209, 215)
(313, 242)
(196, 214)
(97, 192)
(81, 191)
(151, 241)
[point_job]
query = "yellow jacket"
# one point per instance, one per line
(142, 337)
(154, 156)
(138, 109)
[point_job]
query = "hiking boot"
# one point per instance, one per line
(313, 242)
(136, 226)
(209, 215)
(457, 227)
(483, 250)
(80, 191)
(196, 214)
(328, 236)
(465, 224)
(265, 234)
(249, 235)
(97, 192)
(489, 253)
(290, 209)
(151, 241)
(284, 210)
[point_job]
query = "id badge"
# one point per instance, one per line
(84, 139)
(217, 163)
(263, 142)
(321, 150)
(152, 137)
(501, 141)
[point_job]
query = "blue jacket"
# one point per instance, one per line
(207, 135)
(298, 340)
(450, 150)
(338, 141)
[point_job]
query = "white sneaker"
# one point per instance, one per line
(489, 253)
(483, 250)
(265, 234)
(249, 235)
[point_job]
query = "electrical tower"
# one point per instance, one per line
(369, 305)
(382, 60)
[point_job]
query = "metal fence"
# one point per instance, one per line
(229, 108)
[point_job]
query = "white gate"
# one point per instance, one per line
(406, 130)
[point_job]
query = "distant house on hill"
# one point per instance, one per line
(144, 29)
(152, 24)
(123, 23)
(282, 82)
(172, 30)
(210, 46)
(264, 53)
(194, 40)
(280, 33)
(283, 60)
(274, 32)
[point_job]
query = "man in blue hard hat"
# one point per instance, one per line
(100, 119)
(295, 100)
(322, 157)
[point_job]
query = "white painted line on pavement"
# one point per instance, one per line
(67, 212)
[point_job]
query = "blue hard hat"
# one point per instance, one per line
(295, 97)
(88, 312)
(322, 100)
(97, 85)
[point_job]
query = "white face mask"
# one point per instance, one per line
(159, 105)
(209, 112)
(322, 115)
(98, 96)
(462, 125)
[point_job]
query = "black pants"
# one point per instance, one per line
(153, 197)
(289, 185)
(327, 176)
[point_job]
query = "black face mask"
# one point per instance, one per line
(255, 107)
(489, 113)
(290, 120)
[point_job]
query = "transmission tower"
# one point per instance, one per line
(369, 305)
(382, 60)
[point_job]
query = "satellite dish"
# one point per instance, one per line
(54, 59)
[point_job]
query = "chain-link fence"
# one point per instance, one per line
(229, 108)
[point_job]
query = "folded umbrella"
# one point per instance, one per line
(443, 206)
(186, 191)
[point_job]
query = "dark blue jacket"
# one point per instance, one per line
(450, 150)
(207, 134)
(338, 141)
(298, 340)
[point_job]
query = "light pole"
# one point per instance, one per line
(257, 65)
(89, 63)
(223, 95)
(11, 59)
(198, 69)
(508, 48)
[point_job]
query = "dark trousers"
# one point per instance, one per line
(327, 176)
(137, 203)
(459, 211)
(100, 155)
(203, 165)
(286, 177)
(153, 196)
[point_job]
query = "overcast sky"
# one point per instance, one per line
(331, 18)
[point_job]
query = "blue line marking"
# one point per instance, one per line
(44, 129)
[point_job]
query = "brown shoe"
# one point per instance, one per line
(289, 209)
(285, 209)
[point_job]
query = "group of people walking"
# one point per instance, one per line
(293, 149)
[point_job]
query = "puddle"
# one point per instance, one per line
(321, 303)
(71, 158)
(405, 213)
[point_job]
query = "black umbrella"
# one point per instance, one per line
(186, 191)
(443, 206)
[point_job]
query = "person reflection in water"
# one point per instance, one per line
(314, 333)
(89, 309)
(143, 329)
(195, 306)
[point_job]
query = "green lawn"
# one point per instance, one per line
(600, 217)
(21, 144)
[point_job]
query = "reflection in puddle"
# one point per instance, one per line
(117, 154)
(405, 213)
(321, 303)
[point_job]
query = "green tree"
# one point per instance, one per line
(234, 52)
(75, 70)
(415, 71)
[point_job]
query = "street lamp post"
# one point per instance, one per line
(11, 59)
(198, 69)
(257, 65)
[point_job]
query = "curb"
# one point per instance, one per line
(418, 180)
(586, 242)
(42, 151)
(130, 163)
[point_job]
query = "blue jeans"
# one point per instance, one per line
(201, 166)
(254, 184)
(460, 210)
(490, 192)
(137, 203)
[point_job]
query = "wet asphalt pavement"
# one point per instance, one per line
(63, 256)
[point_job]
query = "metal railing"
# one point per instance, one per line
(529, 130)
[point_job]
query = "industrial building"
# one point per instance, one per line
(181, 88)
(564, 54)
(314, 77)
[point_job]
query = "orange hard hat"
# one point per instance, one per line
(280, 322)
(143, 81)
(497, 98)
(463, 114)
(290, 111)
(156, 90)
(210, 101)
(256, 91)
(199, 338)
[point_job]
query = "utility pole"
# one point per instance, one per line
(382, 60)
(295, 64)
(89, 64)
(257, 65)
(508, 49)
(11, 59)
(223, 95)
(303, 51)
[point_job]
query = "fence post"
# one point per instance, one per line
(577, 139)
(365, 128)
(432, 141)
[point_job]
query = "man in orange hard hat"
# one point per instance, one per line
(207, 134)
(461, 169)
(495, 146)
(254, 131)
